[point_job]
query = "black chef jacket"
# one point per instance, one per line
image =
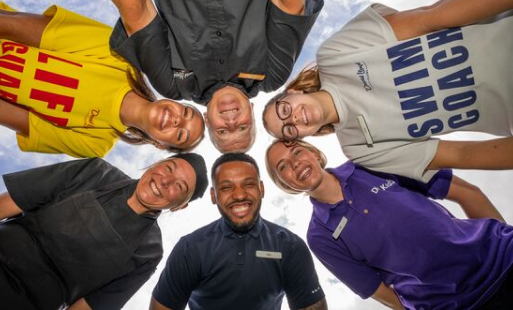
(77, 238)
(195, 47)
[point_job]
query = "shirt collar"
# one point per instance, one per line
(321, 210)
(253, 232)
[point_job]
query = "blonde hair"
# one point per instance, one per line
(307, 81)
(323, 161)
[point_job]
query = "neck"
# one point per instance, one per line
(329, 191)
(133, 110)
(135, 205)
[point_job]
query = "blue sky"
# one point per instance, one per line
(290, 211)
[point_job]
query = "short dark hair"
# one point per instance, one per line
(229, 157)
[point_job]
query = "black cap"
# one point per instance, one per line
(198, 164)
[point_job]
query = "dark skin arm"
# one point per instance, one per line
(387, 297)
(24, 28)
(135, 14)
(320, 305)
(8, 208)
(14, 117)
(155, 305)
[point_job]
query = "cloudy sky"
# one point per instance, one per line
(292, 212)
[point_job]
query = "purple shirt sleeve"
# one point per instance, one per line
(358, 276)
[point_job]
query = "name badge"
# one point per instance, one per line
(339, 228)
(365, 130)
(251, 76)
(268, 254)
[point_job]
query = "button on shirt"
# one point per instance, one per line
(193, 47)
(394, 234)
(218, 268)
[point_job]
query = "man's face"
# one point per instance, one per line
(238, 193)
(166, 185)
(230, 120)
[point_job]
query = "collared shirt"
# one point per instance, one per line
(218, 268)
(193, 48)
(392, 233)
(80, 238)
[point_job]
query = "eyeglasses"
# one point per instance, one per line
(284, 111)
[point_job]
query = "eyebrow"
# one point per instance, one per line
(290, 149)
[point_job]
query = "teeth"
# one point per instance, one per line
(154, 189)
(303, 173)
(164, 119)
(305, 119)
(230, 111)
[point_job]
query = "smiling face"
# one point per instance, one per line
(295, 166)
(174, 124)
(166, 185)
(238, 194)
(296, 115)
(230, 120)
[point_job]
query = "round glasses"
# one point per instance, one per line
(284, 111)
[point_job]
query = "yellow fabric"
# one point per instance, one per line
(72, 81)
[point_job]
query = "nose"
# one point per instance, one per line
(239, 193)
(167, 179)
(177, 120)
(232, 124)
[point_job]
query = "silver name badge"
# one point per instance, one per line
(267, 254)
(339, 228)
(365, 130)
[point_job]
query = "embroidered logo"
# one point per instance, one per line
(383, 187)
(89, 119)
(363, 75)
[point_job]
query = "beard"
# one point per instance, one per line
(241, 227)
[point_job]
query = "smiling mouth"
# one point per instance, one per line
(230, 111)
(240, 209)
(165, 118)
(155, 189)
(305, 174)
(305, 118)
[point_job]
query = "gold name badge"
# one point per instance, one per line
(251, 76)
(268, 254)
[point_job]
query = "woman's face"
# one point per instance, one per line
(174, 124)
(296, 115)
(295, 166)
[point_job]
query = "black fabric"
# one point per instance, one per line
(217, 268)
(502, 299)
(193, 48)
(72, 244)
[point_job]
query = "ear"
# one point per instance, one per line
(262, 189)
(205, 117)
(184, 206)
(294, 91)
(160, 146)
(213, 196)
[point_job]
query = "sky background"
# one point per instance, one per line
(290, 211)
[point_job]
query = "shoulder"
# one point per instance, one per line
(203, 234)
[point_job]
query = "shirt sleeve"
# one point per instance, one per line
(300, 279)
(148, 50)
(286, 35)
(44, 137)
(359, 277)
(35, 188)
(436, 188)
(179, 278)
(406, 158)
(114, 295)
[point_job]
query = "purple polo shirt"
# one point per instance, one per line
(395, 235)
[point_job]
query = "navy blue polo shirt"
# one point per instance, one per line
(218, 268)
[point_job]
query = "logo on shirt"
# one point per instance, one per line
(363, 75)
(382, 187)
(89, 119)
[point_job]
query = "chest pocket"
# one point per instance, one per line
(78, 238)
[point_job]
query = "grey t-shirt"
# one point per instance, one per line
(403, 92)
